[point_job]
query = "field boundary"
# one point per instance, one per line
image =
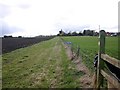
(86, 79)
(102, 72)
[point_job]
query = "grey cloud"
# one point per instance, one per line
(6, 29)
(4, 10)
(70, 27)
(76, 27)
(114, 27)
(23, 6)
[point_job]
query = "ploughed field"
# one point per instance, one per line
(89, 47)
(10, 44)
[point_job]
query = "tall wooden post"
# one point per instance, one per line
(100, 64)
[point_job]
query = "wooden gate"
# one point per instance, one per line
(102, 71)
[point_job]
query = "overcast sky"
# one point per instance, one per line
(47, 17)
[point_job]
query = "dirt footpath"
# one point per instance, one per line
(86, 79)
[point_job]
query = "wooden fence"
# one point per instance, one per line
(102, 72)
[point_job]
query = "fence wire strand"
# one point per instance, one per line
(79, 52)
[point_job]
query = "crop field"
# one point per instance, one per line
(10, 44)
(89, 47)
(41, 65)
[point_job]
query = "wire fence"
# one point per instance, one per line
(86, 56)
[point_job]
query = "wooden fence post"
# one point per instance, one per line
(100, 64)
(78, 51)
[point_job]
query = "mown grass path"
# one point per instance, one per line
(43, 65)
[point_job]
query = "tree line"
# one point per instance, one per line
(84, 33)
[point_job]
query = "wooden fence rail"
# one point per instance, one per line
(111, 60)
(102, 72)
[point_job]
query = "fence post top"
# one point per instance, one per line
(102, 33)
(102, 30)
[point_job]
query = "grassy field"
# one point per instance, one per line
(41, 65)
(46, 64)
(89, 47)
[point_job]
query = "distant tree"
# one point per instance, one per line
(74, 33)
(96, 33)
(84, 32)
(19, 36)
(88, 33)
(91, 33)
(80, 34)
(69, 34)
(5, 36)
(58, 34)
(62, 33)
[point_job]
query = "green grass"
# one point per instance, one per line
(112, 47)
(46, 64)
(41, 65)
(89, 47)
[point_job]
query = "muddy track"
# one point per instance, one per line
(86, 79)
